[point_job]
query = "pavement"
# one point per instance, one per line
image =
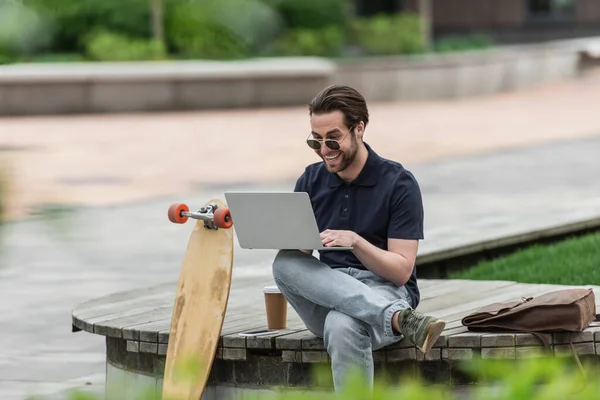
(89, 197)
(112, 159)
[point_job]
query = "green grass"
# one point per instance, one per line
(574, 261)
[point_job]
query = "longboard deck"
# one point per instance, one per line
(198, 311)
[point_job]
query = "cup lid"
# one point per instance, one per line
(271, 289)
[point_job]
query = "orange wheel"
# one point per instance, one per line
(222, 218)
(175, 213)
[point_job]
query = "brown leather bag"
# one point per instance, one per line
(562, 310)
(567, 310)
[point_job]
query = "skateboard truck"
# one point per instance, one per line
(213, 216)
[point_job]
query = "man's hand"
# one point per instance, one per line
(395, 264)
(331, 238)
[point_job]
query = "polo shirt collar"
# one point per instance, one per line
(367, 176)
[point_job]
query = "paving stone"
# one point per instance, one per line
(291, 356)
(163, 348)
(498, 352)
(234, 354)
(234, 341)
(314, 357)
(531, 351)
(498, 340)
(465, 340)
(574, 337)
(401, 354)
(133, 346)
(455, 354)
(580, 348)
(528, 339)
(146, 347)
(431, 355)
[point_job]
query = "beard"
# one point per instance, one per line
(346, 158)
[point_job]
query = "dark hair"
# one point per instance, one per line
(343, 98)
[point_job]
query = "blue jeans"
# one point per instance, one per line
(351, 309)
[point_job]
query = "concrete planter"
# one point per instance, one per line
(75, 88)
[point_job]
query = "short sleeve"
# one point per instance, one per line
(301, 183)
(406, 209)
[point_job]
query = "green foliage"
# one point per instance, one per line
(193, 34)
(74, 20)
(206, 29)
(220, 30)
(54, 58)
(107, 46)
(543, 378)
(6, 59)
(22, 30)
(324, 42)
(462, 43)
(6, 55)
(573, 261)
(385, 34)
(313, 14)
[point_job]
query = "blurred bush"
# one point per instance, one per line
(313, 14)
(73, 20)
(115, 30)
(22, 30)
(322, 42)
(219, 29)
(463, 42)
(386, 34)
(109, 46)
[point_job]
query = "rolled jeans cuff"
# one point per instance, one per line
(388, 328)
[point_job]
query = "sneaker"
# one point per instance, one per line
(421, 330)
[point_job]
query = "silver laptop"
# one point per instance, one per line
(275, 220)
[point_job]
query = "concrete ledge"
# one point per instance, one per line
(163, 86)
(74, 88)
(464, 74)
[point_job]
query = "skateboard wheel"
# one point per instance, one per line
(175, 213)
(222, 218)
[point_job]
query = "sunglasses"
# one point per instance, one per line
(332, 144)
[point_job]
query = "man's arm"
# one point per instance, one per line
(395, 264)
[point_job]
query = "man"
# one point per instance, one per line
(364, 299)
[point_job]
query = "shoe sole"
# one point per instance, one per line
(434, 330)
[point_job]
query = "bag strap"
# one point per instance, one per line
(546, 344)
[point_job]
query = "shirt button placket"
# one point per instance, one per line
(345, 204)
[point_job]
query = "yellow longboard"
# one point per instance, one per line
(201, 300)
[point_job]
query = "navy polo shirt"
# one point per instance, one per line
(383, 202)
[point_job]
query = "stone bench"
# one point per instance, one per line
(136, 325)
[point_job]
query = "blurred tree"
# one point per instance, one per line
(158, 28)
(425, 11)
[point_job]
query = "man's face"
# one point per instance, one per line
(331, 126)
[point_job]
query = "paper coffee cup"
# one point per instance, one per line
(276, 308)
